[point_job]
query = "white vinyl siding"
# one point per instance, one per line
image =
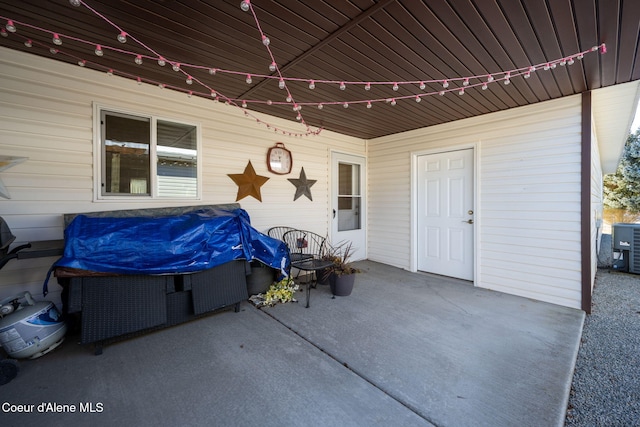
(527, 202)
(46, 114)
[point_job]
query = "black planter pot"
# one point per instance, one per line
(342, 285)
(260, 279)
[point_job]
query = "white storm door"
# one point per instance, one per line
(445, 213)
(348, 214)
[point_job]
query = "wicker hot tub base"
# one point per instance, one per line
(113, 307)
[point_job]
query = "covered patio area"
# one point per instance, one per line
(404, 349)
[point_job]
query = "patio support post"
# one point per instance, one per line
(585, 203)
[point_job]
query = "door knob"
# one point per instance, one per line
(469, 221)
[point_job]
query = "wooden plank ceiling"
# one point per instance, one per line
(355, 41)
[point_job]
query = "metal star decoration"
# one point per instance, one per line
(303, 185)
(248, 182)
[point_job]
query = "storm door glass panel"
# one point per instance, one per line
(126, 155)
(177, 149)
(349, 197)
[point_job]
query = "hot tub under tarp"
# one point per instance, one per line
(185, 243)
(129, 271)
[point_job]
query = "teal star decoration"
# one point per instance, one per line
(303, 185)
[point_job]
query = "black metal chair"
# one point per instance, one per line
(306, 250)
(278, 231)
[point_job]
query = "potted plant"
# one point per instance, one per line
(342, 274)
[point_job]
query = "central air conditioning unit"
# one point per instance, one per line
(626, 241)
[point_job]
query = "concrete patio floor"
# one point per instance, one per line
(404, 349)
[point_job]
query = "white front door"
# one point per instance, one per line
(445, 213)
(348, 214)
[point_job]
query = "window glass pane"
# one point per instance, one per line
(349, 219)
(348, 197)
(344, 185)
(126, 155)
(177, 150)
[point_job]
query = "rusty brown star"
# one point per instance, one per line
(248, 182)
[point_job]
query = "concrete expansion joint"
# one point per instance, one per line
(357, 373)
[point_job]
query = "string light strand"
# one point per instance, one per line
(446, 85)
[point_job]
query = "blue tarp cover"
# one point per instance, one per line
(186, 243)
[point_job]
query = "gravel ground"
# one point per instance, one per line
(606, 383)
